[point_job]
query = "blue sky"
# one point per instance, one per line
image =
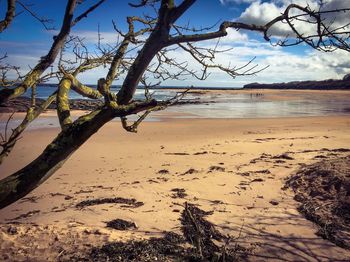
(26, 39)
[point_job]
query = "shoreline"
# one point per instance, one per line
(48, 119)
(195, 89)
(233, 104)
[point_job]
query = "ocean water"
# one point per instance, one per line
(223, 105)
(45, 91)
(247, 105)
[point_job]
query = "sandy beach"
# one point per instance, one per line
(235, 168)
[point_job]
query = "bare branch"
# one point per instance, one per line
(32, 113)
(45, 61)
(161, 106)
(220, 33)
(156, 41)
(81, 89)
(133, 128)
(143, 3)
(179, 10)
(88, 11)
(323, 30)
(10, 14)
(5, 69)
(44, 21)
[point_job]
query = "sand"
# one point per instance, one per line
(233, 167)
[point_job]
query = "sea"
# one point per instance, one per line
(218, 104)
(238, 105)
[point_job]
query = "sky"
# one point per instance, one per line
(26, 40)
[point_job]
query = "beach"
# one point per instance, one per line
(234, 167)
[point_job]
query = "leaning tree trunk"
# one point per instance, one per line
(55, 154)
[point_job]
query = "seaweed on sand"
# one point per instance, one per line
(130, 203)
(323, 189)
(196, 244)
(121, 224)
(178, 193)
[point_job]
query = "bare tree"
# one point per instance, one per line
(137, 54)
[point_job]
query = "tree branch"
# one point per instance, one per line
(32, 113)
(119, 55)
(61, 148)
(322, 29)
(10, 14)
(45, 61)
(42, 20)
(62, 105)
(181, 9)
(156, 41)
(81, 89)
(220, 33)
(85, 14)
(133, 128)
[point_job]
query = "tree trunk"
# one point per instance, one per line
(67, 142)
(132, 79)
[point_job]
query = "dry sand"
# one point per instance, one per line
(233, 167)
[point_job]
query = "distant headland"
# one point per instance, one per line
(329, 84)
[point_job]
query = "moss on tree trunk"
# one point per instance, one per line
(55, 154)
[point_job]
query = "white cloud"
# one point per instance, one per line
(234, 36)
(260, 13)
(226, 2)
(91, 37)
(312, 66)
(283, 66)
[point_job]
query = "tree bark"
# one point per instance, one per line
(33, 76)
(156, 41)
(61, 148)
(132, 79)
(53, 157)
(10, 14)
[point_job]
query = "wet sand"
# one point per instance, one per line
(233, 167)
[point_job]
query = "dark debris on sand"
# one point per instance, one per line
(190, 172)
(127, 202)
(285, 156)
(178, 193)
(216, 168)
(163, 172)
(121, 224)
(26, 215)
(323, 189)
(167, 248)
(196, 244)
